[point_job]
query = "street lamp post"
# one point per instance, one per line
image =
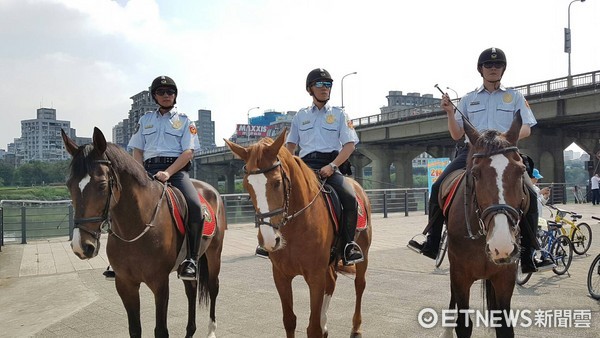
(568, 41)
(343, 77)
(248, 128)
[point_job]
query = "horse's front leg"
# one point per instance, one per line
(461, 291)
(160, 289)
(283, 283)
(130, 296)
(191, 291)
(501, 288)
(318, 308)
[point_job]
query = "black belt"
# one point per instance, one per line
(161, 160)
(320, 156)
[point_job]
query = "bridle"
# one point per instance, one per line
(259, 218)
(105, 219)
(513, 215)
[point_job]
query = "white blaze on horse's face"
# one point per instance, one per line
(259, 185)
(76, 241)
(501, 242)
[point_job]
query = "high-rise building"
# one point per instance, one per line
(40, 138)
(120, 133)
(206, 129)
(142, 103)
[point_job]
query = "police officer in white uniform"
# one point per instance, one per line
(164, 142)
(491, 106)
(327, 139)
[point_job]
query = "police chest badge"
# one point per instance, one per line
(177, 124)
(330, 119)
(507, 98)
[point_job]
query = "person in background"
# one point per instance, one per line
(595, 183)
(543, 195)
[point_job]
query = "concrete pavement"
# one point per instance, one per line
(46, 291)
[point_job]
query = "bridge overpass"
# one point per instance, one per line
(565, 114)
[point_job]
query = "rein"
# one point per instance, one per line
(512, 214)
(105, 219)
(259, 218)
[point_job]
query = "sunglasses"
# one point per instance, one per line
(321, 84)
(495, 64)
(161, 92)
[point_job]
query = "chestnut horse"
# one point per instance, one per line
(111, 191)
(483, 224)
(297, 231)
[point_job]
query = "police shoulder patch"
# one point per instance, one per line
(193, 129)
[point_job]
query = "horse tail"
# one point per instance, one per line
(203, 295)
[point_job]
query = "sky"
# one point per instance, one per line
(86, 58)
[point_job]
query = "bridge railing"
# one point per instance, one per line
(430, 111)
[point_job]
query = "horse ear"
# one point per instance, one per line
(70, 145)
(471, 132)
(512, 135)
(237, 150)
(99, 141)
(279, 141)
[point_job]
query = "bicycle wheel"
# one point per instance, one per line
(522, 278)
(582, 238)
(593, 279)
(562, 253)
(443, 248)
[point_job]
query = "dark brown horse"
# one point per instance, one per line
(482, 221)
(296, 229)
(111, 191)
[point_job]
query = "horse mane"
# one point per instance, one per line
(300, 169)
(121, 162)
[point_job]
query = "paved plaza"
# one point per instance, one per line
(46, 291)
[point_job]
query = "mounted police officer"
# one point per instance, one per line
(327, 139)
(164, 142)
(491, 106)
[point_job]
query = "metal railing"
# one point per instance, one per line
(36, 220)
(555, 86)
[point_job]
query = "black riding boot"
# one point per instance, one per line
(352, 252)
(188, 269)
(431, 246)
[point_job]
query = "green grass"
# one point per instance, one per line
(42, 193)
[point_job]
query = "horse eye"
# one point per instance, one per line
(277, 184)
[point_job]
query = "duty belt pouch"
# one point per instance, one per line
(346, 168)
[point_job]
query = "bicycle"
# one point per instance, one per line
(593, 278)
(580, 234)
(558, 248)
(443, 248)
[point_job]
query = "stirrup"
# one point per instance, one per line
(354, 261)
(422, 244)
(186, 263)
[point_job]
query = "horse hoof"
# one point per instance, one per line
(356, 335)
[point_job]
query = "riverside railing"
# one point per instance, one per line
(21, 220)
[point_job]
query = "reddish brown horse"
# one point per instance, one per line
(298, 232)
(482, 221)
(111, 191)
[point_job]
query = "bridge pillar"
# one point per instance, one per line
(359, 162)
(402, 159)
(209, 174)
(545, 147)
(231, 171)
(380, 155)
(442, 151)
